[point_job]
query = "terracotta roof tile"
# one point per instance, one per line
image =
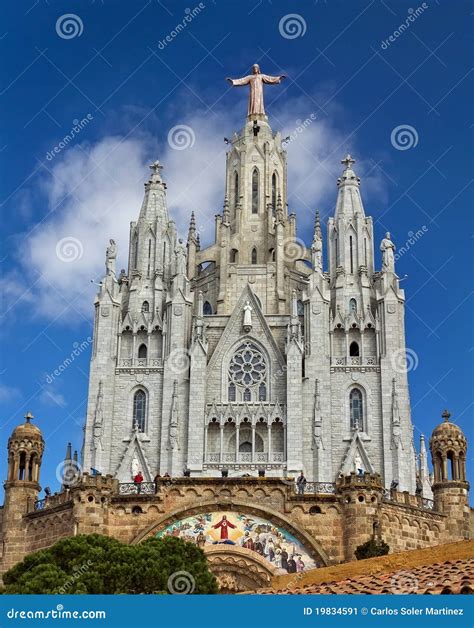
(450, 577)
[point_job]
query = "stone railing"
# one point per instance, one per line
(139, 363)
(317, 488)
(144, 488)
(405, 498)
(275, 457)
(427, 504)
(354, 361)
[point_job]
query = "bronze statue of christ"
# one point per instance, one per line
(256, 81)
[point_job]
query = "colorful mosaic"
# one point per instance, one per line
(274, 544)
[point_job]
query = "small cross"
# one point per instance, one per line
(156, 167)
(446, 415)
(348, 161)
(28, 417)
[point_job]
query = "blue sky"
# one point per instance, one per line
(400, 102)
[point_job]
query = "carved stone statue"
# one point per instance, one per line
(388, 259)
(97, 430)
(135, 466)
(248, 309)
(110, 257)
(256, 81)
(174, 419)
(358, 466)
(180, 252)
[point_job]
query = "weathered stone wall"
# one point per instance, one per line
(330, 526)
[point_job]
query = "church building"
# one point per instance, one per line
(219, 374)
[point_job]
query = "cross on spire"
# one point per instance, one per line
(155, 167)
(446, 415)
(28, 417)
(348, 161)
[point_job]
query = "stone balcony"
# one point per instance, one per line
(354, 363)
(140, 364)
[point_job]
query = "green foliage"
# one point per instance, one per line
(374, 547)
(98, 564)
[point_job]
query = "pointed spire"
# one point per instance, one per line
(68, 452)
(226, 212)
(192, 227)
(317, 245)
(349, 201)
(279, 209)
(75, 456)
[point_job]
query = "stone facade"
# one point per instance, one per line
(329, 393)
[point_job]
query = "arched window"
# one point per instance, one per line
(234, 256)
(353, 306)
(145, 306)
(236, 189)
(22, 466)
(231, 392)
(248, 373)
(356, 409)
(354, 349)
(139, 410)
(254, 256)
(207, 309)
(274, 191)
(255, 191)
(300, 308)
(142, 351)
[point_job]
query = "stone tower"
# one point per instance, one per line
(25, 453)
(248, 355)
(448, 447)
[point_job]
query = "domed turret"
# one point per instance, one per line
(448, 447)
(25, 451)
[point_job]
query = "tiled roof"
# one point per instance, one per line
(450, 577)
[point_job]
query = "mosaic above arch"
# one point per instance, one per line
(281, 549)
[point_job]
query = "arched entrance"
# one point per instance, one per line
(246, 545)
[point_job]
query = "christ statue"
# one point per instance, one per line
(256, 81)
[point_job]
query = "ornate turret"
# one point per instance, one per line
(448, 447)
(25, 452)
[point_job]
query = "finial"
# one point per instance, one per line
(68, 451)
(446, 415)
(155, 167)
(28, 417)
(348, 161)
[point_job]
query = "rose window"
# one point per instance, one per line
(247, 370)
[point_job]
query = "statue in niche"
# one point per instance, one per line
(180, 252)
(248, 309)
(388, 258)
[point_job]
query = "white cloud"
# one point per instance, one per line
(52, 398)
(94, 191)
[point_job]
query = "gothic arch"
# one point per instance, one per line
(367, 399)
(310, 544)
(131, 397)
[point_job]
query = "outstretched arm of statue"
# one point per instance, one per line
(238, 82)
(273, 79)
